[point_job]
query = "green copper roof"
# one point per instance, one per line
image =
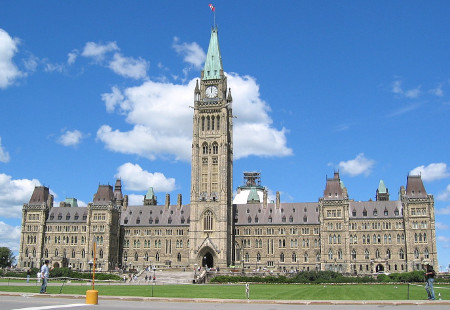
(213, 62)
(72, 201)
(382, 187)
(253, 196)
(150, 194)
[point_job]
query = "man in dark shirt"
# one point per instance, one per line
(429, 277)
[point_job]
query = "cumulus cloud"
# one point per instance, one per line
(129, 67)
(357, 166)
(135, 200)
(162, 120)
(432, 172)
(10, 236)
(4, 155)
(72, 57)
(70, 138)
(445, 195)
(410, 93)
(192, 53)
(8, 70)
(97, 51)
(13, 194)
(443, 239)
(137, 179)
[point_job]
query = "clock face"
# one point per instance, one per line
(211, 91)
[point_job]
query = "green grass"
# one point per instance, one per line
(257, 291)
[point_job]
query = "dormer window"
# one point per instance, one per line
(125, 221)
(364, 212)
(375, 212)
(354, 212)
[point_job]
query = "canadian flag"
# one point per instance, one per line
(212, 7)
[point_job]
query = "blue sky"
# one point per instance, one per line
(94, 90)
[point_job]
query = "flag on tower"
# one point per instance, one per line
(212, 7)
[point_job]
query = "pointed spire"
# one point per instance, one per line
(229, 97)
(213, 63)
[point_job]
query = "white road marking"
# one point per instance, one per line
(51, 307)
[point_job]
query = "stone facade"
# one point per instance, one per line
(334, 233)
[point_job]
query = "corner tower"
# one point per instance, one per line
(212, 165)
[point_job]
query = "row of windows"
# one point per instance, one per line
(247, 243)
(375, 212)
(75, 217)
(33, 217)
(156, 220)
(210, 123)
(66, 228)
(147, 257)
(280, 231)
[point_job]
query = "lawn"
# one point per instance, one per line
(257, 291)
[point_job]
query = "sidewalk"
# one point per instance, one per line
(241, 301)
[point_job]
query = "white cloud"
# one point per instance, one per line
(192, 52)
(13, 194)
(72, 56)
(4, 155)
(136, 179)
(437, 91)
(441, 226)
(445, 195)
(98, 51)
(404, 110)
(162, 120)
(432, 172)
(357, 166)
(443, 211)
(8, 70)
(410, 93)
(443, 239)
(135, 200)
(10, 236)
(49, 67)
(129, 67)
(70, 138)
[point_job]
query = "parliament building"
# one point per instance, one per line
(218, 230)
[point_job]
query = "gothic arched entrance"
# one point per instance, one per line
(379, 268)
(208, 260)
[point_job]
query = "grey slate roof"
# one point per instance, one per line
(414, 187)
(141, 215)
(40, 196)
(59, 215)
(379, 206)
(296, 211)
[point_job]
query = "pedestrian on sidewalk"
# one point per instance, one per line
(429, 277)
(28, 275)
(45, 271)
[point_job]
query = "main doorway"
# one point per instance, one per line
(208, 260)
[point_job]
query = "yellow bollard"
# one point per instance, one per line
(92, 297)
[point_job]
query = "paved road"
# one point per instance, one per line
(45, 302)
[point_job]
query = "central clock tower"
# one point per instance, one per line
(211, 225)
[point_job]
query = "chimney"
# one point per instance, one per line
(265, 198)
(278, 200)
(167, 201)
(179, 201)
(125, 202)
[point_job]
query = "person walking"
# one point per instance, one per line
(45, 271)
(429, 277)
(28, 275)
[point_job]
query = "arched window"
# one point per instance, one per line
(179, 257)
(401, 254)
(215, 148)
(388, 254)
(340, 254)
(46, 253)
(73, 253)
(157, 257)
(83, 254)
(426, 253)
(101, 253)
(146, 256)
(208, 221)
(353, 254)
(366, 254)
(208, 123)
(205, 148)
(218, 122)
(125, 256)
(203, 123)
(306, 258)
(294, 257)
(136, 257)
(330, 254)
(258, 257)
(377, 253)
(282, 257)
(212, 122)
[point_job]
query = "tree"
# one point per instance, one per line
(7, 257)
